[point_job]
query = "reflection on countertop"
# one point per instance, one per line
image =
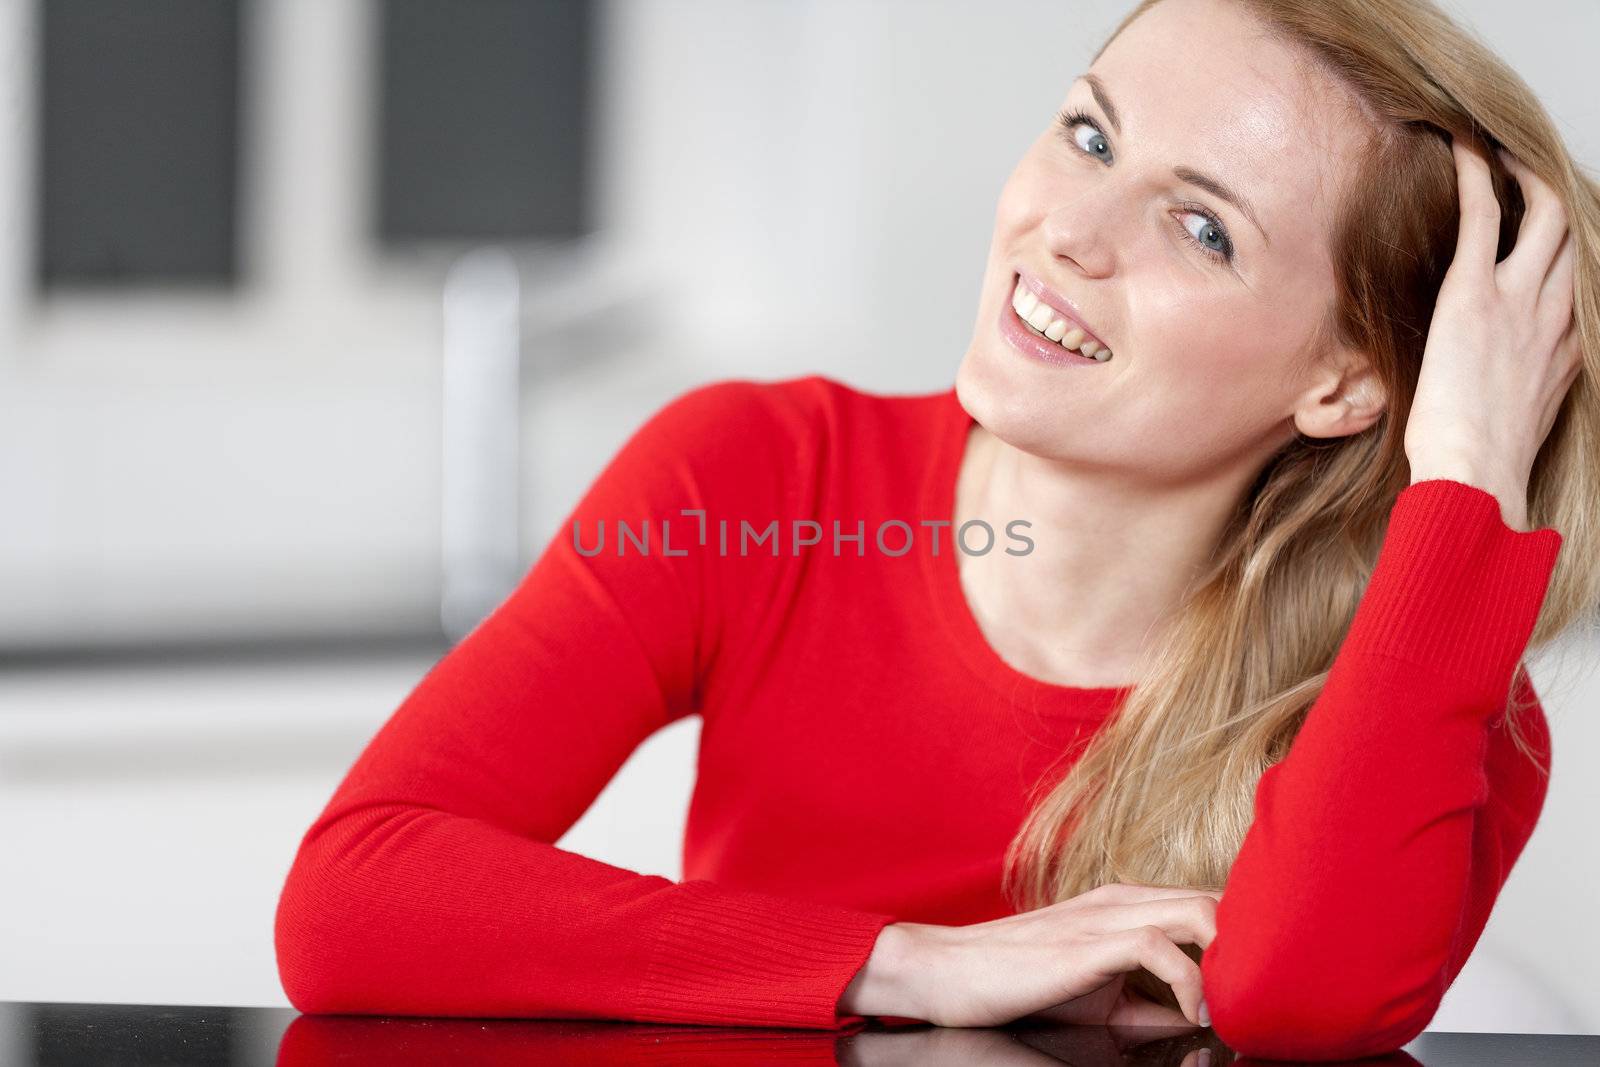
(66, 1035)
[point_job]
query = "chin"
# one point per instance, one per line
(999, 403)
(993, 392)
(972, 388)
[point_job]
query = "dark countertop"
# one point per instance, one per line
(67, 1035)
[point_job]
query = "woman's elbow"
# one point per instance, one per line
(1321, 1021)
(302, 969)
(312, 943)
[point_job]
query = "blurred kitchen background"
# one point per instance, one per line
(317, 315)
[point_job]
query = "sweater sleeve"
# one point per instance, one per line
(431, 885)
(1381, 839)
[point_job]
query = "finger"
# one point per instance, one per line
(1540, 235)
(1556, 295)
(1125, 893)
(1149, 947)
(1569, 357)
(1574, 352)
(1137, 1011)
(1568, 362)
(1186, 920)
(1478, 236)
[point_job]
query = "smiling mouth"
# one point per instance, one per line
(1049, 323)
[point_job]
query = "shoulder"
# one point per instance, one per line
(794, 446)
(737, 419)
(793, 402)
(729, 407)
(736, 442)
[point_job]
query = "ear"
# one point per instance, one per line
(1343, 396)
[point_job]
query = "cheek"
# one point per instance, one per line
(1218, 339)
(1210, 369)
(1027, 190)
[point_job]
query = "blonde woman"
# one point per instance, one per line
(1166, 669)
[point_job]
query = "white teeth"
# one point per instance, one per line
(1043, 318)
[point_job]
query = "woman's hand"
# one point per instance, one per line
(1502, 348)
(1066, 962)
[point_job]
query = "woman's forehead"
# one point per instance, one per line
(1200, 84)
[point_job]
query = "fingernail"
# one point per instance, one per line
(1204, 1057)
(1205, 1014)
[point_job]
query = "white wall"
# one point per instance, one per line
(787, 177)
(783, 177)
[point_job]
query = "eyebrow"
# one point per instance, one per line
(1182, 173)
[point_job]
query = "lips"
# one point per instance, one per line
(1061, 306)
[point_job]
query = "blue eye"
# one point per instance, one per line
(1211, 231)
(1071, 119)
(1069, 123)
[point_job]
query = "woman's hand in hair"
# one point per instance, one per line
(1502, 349)
(1066, 962)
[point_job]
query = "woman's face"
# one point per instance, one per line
(1206, 302)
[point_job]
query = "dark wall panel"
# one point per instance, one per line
(138, 140)
(483, 131)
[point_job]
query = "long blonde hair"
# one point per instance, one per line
(1163, 793)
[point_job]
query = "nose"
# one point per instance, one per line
(1078, 232)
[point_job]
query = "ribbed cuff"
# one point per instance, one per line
(738, 957)
(1455, 589)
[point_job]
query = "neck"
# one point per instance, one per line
(1111, 559)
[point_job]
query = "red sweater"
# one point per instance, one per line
(865, 755)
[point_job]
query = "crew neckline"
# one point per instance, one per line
(943, 575)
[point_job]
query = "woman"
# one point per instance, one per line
(1314, 382)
